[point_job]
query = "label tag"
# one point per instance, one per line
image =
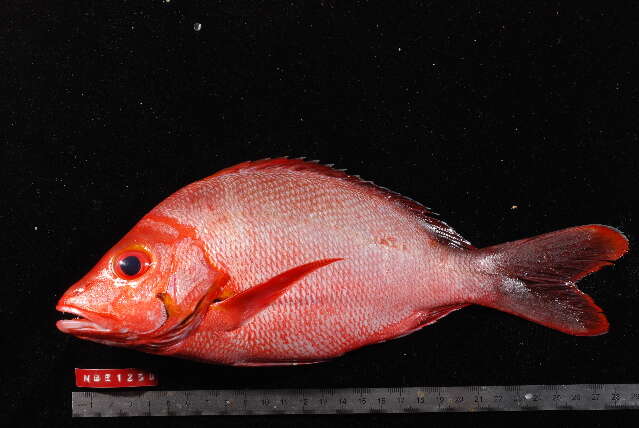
(114, 378)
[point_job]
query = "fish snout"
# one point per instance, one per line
(82, 322)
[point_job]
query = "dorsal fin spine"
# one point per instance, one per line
(439, 228)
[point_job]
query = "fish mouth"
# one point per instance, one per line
(81, 324)
(177, 325)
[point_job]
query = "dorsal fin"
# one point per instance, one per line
(440, 230)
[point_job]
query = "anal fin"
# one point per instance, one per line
(417, 321)
(422, 319)
(276, 363)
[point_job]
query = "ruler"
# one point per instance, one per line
(355, 400)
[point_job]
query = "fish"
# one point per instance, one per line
(285, 261)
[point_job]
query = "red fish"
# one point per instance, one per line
(284, 262)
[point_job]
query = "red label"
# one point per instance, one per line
(114, 378)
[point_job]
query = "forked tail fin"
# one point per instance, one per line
(536, 276)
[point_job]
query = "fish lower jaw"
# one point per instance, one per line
(79, 325)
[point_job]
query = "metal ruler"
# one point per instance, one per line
(355, 400)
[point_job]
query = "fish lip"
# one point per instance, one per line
(82, 326)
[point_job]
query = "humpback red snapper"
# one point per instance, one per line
(283, 261)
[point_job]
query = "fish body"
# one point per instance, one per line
(284, 261)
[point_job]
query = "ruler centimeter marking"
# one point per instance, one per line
(355, 400)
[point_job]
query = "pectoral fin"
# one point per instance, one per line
(245, 305)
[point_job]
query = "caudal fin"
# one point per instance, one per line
(536, 276)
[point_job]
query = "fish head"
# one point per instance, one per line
(149, 291)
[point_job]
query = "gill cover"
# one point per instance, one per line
(180, 321)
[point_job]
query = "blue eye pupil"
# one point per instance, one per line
(130, 265)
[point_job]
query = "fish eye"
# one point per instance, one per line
(131, 264)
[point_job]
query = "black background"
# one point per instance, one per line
(509, 118)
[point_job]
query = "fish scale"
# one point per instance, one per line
(343, 212)
(282, 261)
